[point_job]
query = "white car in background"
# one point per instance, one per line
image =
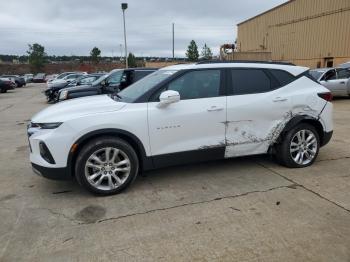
(182, 114)
(337, 80)
(67, 79)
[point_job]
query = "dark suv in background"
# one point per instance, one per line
(113, 82)
(18, 80)
(6, 84)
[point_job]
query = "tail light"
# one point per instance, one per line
(326, 96)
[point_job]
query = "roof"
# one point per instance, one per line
(272, 9)
(294, 70)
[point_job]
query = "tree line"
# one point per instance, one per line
(37, 57)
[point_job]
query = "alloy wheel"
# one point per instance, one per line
(107, 168)
(303, 147)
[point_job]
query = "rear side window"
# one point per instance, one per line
(140, 74)
(283, 77)
(250, 81)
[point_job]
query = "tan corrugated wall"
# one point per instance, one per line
(302, 31)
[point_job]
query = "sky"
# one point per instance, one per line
(74, 27)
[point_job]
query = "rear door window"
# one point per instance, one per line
(250, 81)
(343, 73)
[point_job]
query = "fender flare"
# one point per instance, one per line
(145, 162)
(302, 118)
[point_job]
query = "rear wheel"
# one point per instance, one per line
(106, 166)
(3, 90)
(300, 147)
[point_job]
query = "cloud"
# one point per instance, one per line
(75, 27)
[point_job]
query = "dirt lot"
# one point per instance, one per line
(246, 209)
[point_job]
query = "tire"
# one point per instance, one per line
(3, 90)
(105, 179)
(294, 144)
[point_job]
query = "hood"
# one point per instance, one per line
(58, 85)
(56, 82)
(75, 108)
(74, 89)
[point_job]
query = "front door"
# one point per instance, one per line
(194, 127)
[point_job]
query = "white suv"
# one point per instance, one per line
(182, 114)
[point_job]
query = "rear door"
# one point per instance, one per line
(343, 77)
(194, 128)
(255, 109)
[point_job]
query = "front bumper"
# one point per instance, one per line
(52, 173)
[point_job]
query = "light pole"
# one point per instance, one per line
(124, 7)
(173, 41)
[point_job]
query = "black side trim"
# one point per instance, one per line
(188, 157)
(52, 173)
(326, 138)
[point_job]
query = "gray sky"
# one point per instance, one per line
(76, 26)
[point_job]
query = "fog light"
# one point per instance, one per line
(45, 153)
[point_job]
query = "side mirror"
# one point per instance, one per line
(104, 83)
(168, 97)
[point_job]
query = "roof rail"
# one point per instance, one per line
(242, 61)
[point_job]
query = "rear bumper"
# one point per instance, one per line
(326, 138)
(52, 173)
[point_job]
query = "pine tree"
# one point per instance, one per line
(192, 51)
(132, 60)
(37, 57)
(206, 53)
(95, 55)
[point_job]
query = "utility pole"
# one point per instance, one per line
(173, 41)
(124, 7)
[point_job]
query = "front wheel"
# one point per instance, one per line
(106, 166)
(3, 90)
(300, 147)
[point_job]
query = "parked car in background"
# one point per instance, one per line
(345, 65)
(19, 81)
(6, 84)
(55, 86)
(337, 80)
(67, 79)
(113, 82)
(39, 78)
(62, 75)
(182, 114)
(28, 78)
(49, 78)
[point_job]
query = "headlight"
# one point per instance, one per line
(45, 125)
(63, 95)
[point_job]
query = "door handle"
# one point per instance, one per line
(343, 83)
(215, 108)
(279, 99)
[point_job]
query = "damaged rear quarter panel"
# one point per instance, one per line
(260, 121)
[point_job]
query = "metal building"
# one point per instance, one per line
(313, 33)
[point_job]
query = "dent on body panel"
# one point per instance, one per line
(244, 134)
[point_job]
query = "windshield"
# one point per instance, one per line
(316, 74)
(139, 88)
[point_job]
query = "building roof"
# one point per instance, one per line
(272, 9)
